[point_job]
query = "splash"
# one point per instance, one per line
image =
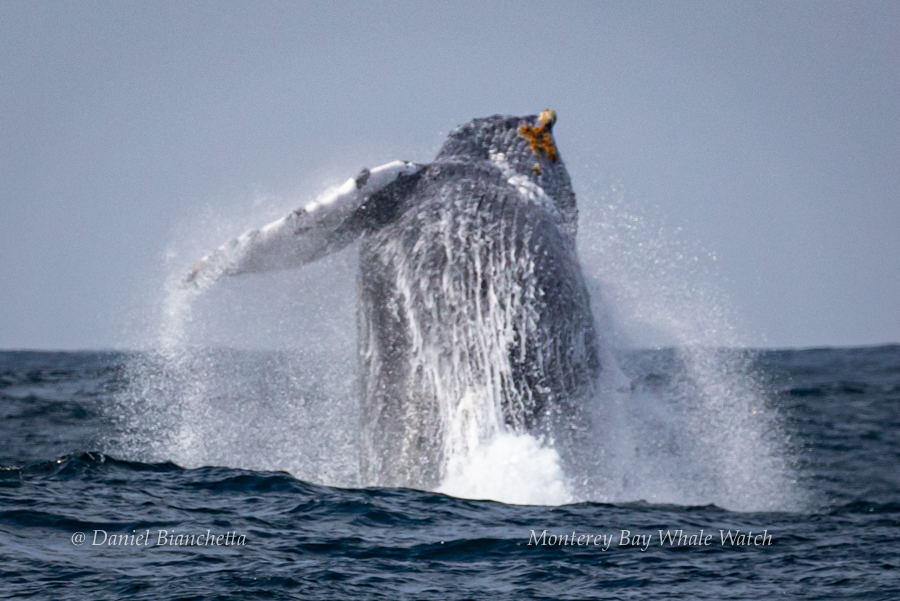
(510, 468)
(684, 422)
(698, 427)
(257, 373)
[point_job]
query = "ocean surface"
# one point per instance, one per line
(88, 513)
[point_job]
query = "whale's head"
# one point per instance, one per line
(522, 147)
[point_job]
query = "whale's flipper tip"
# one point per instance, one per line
(202, 274)
(189, 280)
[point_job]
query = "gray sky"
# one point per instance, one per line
(770, 132)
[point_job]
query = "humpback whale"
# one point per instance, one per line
(473, 313)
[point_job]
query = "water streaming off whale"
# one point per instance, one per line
(263, 373)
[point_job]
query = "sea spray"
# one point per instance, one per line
(511, 468)
(257, 373)
(697, 428)
(693, 429)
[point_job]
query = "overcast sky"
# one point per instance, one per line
(769, 132)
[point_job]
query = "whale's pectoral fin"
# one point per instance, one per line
(324, 226)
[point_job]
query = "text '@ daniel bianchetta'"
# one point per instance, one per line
(663, 538)
(159, 538)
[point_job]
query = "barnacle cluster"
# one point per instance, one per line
(540, 138)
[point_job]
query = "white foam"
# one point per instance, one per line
(510, 468)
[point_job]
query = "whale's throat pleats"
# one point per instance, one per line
(473, 320)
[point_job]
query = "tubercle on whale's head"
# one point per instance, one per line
(548, 118)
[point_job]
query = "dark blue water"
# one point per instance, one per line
(268, 535)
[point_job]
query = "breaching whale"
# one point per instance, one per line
(473, 313)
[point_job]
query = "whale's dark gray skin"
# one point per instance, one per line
(473, 313)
